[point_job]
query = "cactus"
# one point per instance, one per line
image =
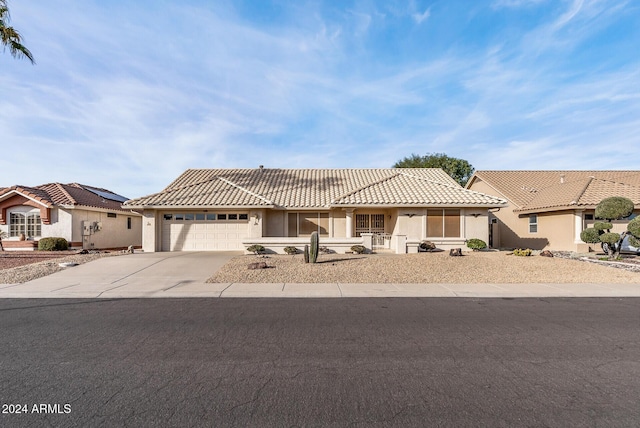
(314, 249)
(306, 254)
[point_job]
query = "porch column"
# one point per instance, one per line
(577, 217)
(349, 223)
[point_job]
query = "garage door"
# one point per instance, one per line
(201, 232)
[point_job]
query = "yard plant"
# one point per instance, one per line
(609, 209)
(53, 244)
(476, 244)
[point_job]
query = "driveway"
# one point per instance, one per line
(141, 275)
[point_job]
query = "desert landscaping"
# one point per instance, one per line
(473, 267)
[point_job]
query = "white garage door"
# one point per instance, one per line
(200, 232)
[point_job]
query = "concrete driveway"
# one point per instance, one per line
(164, 274)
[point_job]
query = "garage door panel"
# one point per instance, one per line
(204, 235)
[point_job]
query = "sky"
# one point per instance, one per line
(127, 95)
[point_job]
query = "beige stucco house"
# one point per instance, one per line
(87, 217)
(549, 209)
(382, 209)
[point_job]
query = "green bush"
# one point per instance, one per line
(256, 249)
(590, 235)
(614, 208)
(476, 244)
(291, 250)
(634, 241)
(522, 253)
(610, 238)
(634, 227)
(358, 249)
(602, 225)
(53, 244)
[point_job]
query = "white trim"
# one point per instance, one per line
(5, 196)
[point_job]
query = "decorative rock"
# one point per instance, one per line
(455, 252)
(257, 265)
(427, 246)
(546, 253)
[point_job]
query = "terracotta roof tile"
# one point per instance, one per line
(313, 188)
(544, 190)
(58, 194)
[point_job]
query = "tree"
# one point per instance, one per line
(609, 209)
(459, 169)
(9, 37)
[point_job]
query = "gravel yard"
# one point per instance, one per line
(22, 266)
(474, 267)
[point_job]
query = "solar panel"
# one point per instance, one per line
(107, 195)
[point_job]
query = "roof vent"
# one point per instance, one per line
(561, 178)
(261, 167)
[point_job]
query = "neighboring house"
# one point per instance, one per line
(393, 209)
(88, 217)
(549, 209)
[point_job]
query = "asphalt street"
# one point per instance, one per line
(320, 362)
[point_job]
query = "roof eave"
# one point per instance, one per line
(196, 207)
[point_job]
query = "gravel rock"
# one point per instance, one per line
(472, 267)
(28, 267)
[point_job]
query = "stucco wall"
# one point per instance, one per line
(114, 233)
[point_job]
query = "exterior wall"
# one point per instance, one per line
(151, 231)
(114, 233)
(475, 224)
(513, 231)
(338, 223)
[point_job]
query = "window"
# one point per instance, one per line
(199, 216)
(533, 223)
(369, 223)
(233, 216)
(243, 216)
(442, 223)
(112, 215)
(168, 216)
(222, 216)
(128, 222)
(28, 224)
(303, 224)
(588, 216)
(210, 216)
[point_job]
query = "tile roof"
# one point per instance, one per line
(73, 194)
(313, 188)
(548, 190)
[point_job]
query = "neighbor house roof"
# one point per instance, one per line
(313, 188)
(68, 195)
(536, 191)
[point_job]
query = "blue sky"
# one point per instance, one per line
(127, 95)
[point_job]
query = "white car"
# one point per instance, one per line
(626, 247)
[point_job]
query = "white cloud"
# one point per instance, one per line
(420, 17)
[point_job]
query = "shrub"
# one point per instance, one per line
(590, 235)
(53, 244)
(522, 253)
(614, 208)
(602, 225)
(291, 250)
(610, 238)
(476, 244)
(634, 241)
(358, 249)
(634, 227)
(256, 249)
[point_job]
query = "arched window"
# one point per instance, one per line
(28, 223)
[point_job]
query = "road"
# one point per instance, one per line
(320, 362)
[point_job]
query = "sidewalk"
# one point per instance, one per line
(44, 289)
